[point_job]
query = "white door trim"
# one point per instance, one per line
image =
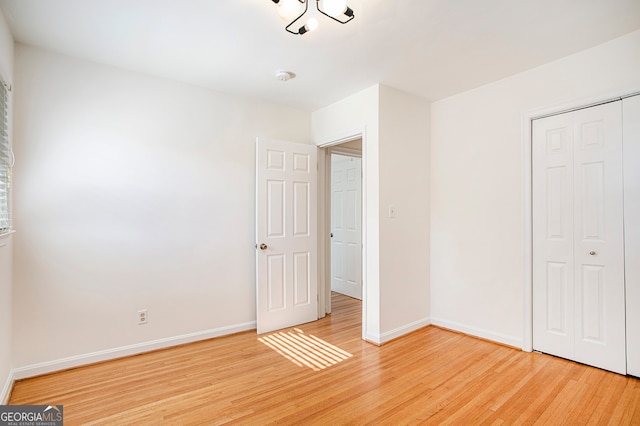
(527, 217)
(324, 217)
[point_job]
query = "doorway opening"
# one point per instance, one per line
(346, 221)
(342, 222)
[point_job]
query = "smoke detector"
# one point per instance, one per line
(284, 75)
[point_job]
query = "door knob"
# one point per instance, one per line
(263, 246)
(592, 253)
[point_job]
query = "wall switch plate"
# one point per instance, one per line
(392, 211)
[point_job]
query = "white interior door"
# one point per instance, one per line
(553, 264)
(346, 225)
(286, 234)
(599, 237)
(578, 264)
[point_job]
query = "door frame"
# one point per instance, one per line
(526, 126)
(324, 221)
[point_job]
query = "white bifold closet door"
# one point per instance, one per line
(578, 237)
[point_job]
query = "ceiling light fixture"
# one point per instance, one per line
(294, 10)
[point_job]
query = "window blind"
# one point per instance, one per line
(6, 159)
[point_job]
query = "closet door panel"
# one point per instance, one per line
(599, 237)
(553, 269)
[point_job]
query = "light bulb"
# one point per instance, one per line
(312, 24)
(334, 8)
(289, 9)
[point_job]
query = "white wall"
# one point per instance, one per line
(6, 70)
(404, 184)
(396, 167)
(131, 192)
(359, 113)
(477, 242)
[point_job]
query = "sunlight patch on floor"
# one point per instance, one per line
(305, 350)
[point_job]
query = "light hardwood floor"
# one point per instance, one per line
(323, 373)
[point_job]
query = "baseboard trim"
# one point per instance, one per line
(6, 389)
(387, 336)
(138, 348)
(405, 329)
(373, 338)
(478, 332)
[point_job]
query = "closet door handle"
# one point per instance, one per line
(592, 253)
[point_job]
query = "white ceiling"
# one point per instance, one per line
(431, 48)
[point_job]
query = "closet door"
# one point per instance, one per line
(553, 265)
(579, 301)
(599, 237)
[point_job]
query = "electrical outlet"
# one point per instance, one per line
(143, 316)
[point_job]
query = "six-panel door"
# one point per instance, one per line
(346, 225)
(286, 234)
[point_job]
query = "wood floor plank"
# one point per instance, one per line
(330, 376)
